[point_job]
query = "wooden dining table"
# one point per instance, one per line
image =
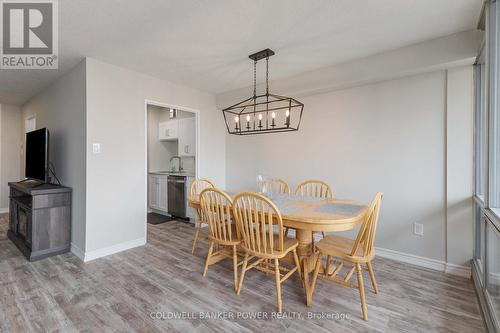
(307, 215)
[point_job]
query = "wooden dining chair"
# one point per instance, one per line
(255, 216)
(280, 186)
(350, 254)
(217, 208)
(195, 188)
(314, 188)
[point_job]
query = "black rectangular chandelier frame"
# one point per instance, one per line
(265, 113)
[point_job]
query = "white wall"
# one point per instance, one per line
(389, 136)
(459, 166)
(116, 178)
(10, 150)
(61, 108)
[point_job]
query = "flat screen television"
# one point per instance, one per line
(37, 155)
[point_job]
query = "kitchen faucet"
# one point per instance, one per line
(180, 163)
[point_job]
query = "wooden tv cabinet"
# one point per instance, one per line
(40, 219)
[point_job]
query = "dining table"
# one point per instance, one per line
(307, 215)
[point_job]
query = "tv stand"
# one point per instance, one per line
(40, 218)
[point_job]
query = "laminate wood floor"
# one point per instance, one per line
(121, 292)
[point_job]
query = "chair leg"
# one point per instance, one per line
(196, 235)
(297, 264)
(243, 270)
(361, 288)
(372, 277)
(235, 267)
(278, 284)
(210, 250)
(313, 281)
(327, 266)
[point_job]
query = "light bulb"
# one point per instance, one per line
(273, 115)
(287, 113)
(248, 117)
(260, 116)
(236, 119)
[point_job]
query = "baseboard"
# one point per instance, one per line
(92, 255)
(411, 259)
(458, 270)
(4, 210)
(437, 265)
(77, 252)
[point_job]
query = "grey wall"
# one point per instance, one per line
(61, 108)
(10, 150)
(116, 178)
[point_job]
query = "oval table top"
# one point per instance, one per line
(313, 214)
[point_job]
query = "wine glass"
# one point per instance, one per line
(262, 187)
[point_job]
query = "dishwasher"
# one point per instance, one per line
(177, 192)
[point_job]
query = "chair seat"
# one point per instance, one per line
(288, 245)
(341, 247)
(234, 236)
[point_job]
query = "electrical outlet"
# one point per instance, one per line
(96, 148)
(418, 229)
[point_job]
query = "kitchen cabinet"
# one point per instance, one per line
(168, 130)
(153, 191)
(162, 193)
(187, 136)
(158, 192)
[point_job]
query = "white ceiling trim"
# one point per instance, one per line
(455, 50)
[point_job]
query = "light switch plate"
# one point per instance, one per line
(96, 148)
(418, 229)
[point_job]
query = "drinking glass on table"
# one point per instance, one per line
(262, 186)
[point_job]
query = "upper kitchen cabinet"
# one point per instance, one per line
(168, 130)
(187, 136)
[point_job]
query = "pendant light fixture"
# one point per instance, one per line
(265, 113)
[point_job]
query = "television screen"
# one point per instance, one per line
(37, 154)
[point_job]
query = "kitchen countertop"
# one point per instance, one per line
(172, 173)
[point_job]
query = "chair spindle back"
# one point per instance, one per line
(366, 234)
(314, 188)
(255, 216)
(217, 208)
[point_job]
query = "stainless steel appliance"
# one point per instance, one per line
(177, 192)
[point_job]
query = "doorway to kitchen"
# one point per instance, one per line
(172, 161)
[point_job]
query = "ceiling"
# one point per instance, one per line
(205, 44)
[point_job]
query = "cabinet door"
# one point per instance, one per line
(153, 192)
(168, 130)
(187, 137)
(162, 131)
(163, 194)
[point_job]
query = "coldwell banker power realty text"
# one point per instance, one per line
(29, 34)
